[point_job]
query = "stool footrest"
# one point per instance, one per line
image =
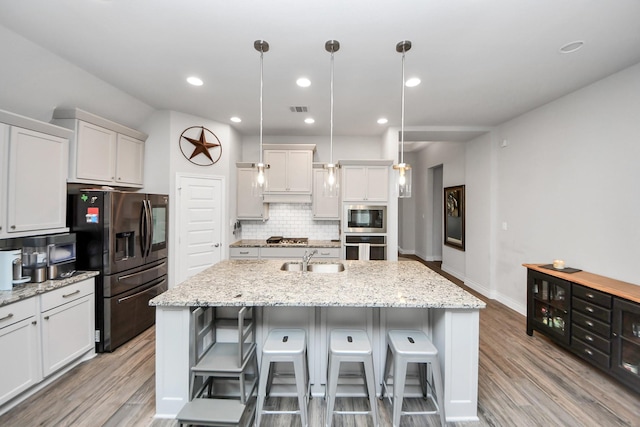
(213, 412)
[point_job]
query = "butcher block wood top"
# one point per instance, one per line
(618, 288)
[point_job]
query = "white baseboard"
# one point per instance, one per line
(458, 275)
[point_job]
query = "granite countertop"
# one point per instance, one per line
(28, 290)
(362, 284)
(256, 243)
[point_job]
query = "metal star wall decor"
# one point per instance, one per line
(203, 152)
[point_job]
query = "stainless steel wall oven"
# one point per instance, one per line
(365, 248)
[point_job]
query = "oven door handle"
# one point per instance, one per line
(128, 276)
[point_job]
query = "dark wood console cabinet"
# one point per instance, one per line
(594, 317)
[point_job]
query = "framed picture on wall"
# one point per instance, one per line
(454, 217)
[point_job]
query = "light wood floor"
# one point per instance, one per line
(523, 381)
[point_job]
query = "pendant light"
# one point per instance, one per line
(404, 169)
(260, 178)
(331, 179)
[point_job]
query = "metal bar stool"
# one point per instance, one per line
(285, 345)
(348, 345)
(411, 346)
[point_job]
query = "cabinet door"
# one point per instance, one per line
(277, 172)
(129, 161)
(548, 305)
(95, 153)
(323, 207)
(67, 333)
(377, 183)
(249, 206)
(4, 158)
(37, 190)
(625, 362)
(20, 355)
(354, 183)
(299, 165)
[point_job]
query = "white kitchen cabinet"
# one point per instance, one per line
(102, 152)
(248, 205)
(36, 191)
(20, 366)
(365, 183)
(4, 154)
(323, 207)
(289, 177)
(67, 324)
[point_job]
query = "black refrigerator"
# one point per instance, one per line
(124, 235)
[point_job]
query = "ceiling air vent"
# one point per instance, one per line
(299, 109)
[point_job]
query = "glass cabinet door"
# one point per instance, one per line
(548, 305)
(626, 341)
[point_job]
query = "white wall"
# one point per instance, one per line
(568, 185)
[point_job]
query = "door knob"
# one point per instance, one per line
(216, 245)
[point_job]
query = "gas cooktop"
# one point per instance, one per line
(288, 241)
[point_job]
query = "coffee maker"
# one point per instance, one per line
(11, 269)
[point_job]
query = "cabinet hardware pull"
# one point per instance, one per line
(588, 338)
(34, 322)
(589, 309)
(8, 316)
(46, 317)
(589, 323)
(590, 295)
(244, 252)
(589, 352)
(13, 227)
(77, 291)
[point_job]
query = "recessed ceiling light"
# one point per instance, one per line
(303, 82)
(309, 121)
(382, 121)
(235, 119)
(195, 81)
(572, 47)
(412, 82)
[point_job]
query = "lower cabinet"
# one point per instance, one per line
(324, 254)
(43, 334)
(20, 366)
(598, 326)
(64, 336)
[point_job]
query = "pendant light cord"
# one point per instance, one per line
(402, 114)
(261, 87)
(331, 131)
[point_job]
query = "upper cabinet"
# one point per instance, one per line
(248, 206)
(33, 165)
(365, 182)
(102, 152)
(289, 177)
(324, 207)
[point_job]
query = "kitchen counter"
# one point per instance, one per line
(374, 296)
(29, 290)
(257, 243)
(362, 284)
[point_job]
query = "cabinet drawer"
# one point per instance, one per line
(590, 324)
(13, 313)
(590, 353)
(327, 253)
(593, 296)
(592, 339)
(592, 310)
(66, 294)
(251, 253)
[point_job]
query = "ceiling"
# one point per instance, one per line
(481, 62)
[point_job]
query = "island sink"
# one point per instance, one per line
(324, 267)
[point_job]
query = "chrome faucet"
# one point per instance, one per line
(306, 258)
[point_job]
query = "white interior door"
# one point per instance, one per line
(199, 224)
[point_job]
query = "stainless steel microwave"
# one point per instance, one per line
(365, 219)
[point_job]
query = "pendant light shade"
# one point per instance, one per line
(260, 177)
(404, 169)
(331, 182)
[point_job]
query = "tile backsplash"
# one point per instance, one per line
(291, 220)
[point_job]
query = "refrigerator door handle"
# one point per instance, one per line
(149, 227)
(128, 276)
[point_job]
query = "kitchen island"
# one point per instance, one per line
(372, 295)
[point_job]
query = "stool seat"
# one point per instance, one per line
(406, 346)
(285, 345)
(350, 345)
